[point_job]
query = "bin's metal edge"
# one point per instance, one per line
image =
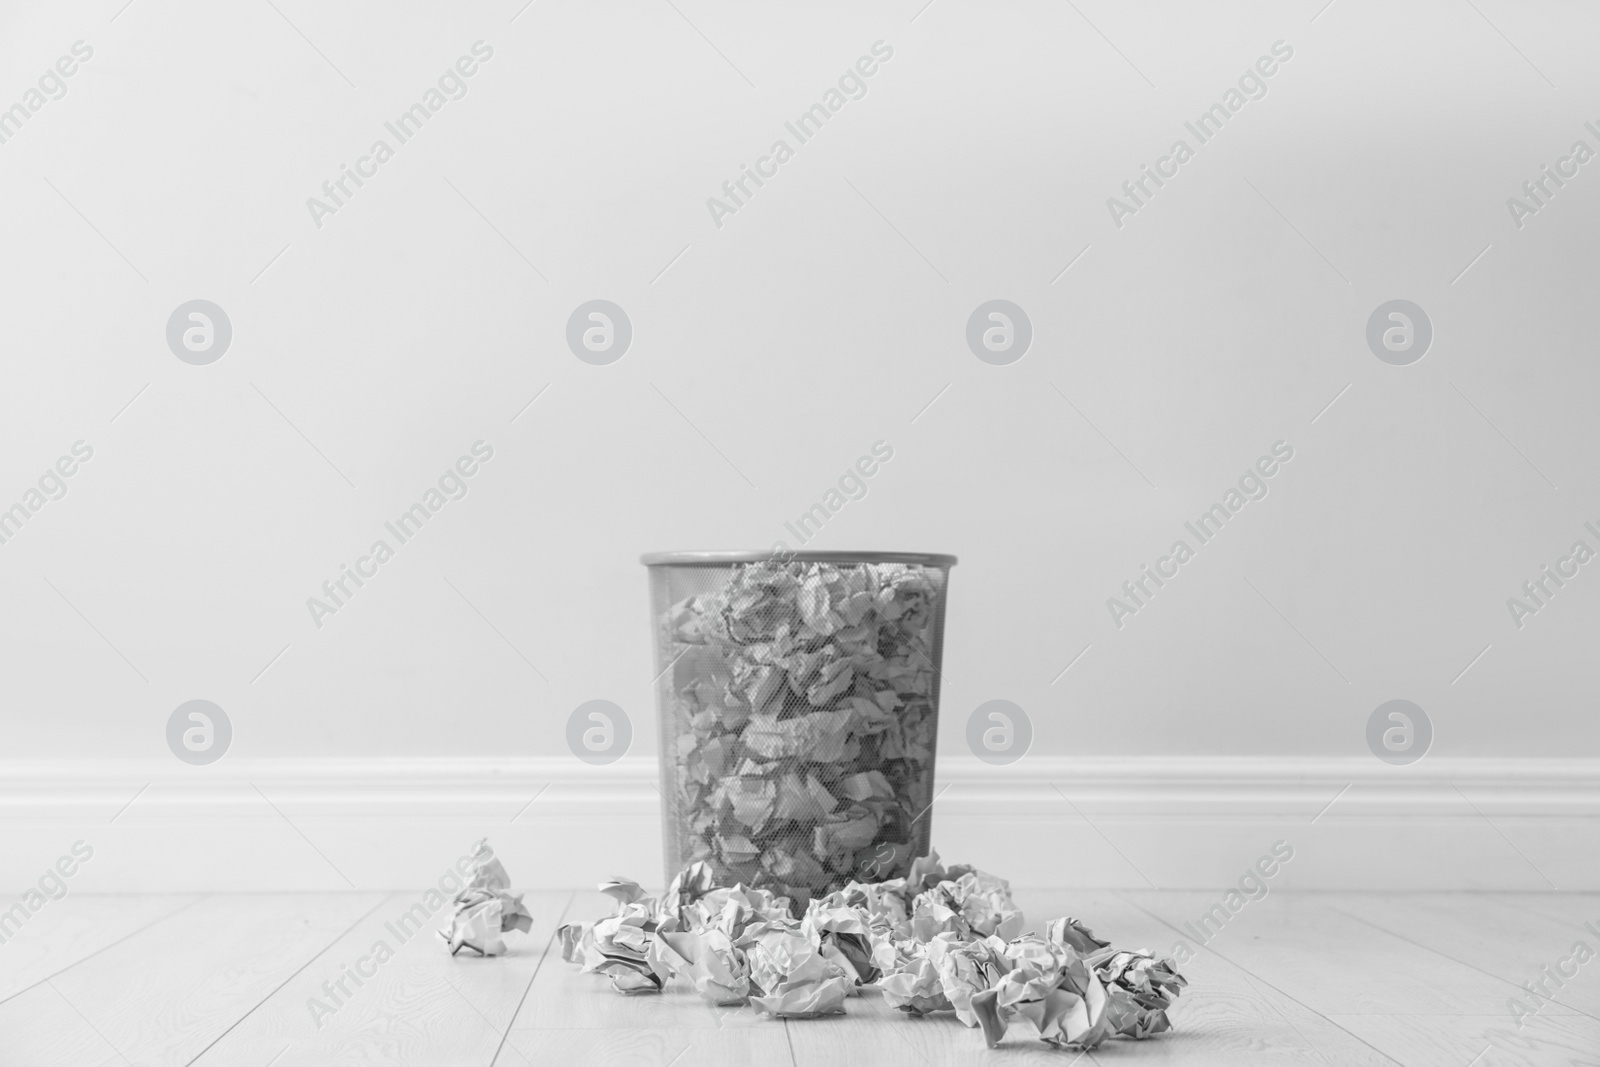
(723, 558)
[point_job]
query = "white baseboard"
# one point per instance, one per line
(328, 824)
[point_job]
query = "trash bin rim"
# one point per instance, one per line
(720, 558)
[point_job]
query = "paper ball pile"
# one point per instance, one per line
(940, 939)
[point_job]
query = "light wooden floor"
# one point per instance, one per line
(1337, 979)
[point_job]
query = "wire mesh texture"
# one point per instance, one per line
(798, 699)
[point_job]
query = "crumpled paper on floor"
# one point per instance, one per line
(484, 909)
(846, 936)
(1140, 988)
(939, 939)
(967, 968)
(795, 980)
(1049, 987)
(617, 946)
(714, 966)
(973, 904)
(915, 986)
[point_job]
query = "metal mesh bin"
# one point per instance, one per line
(798, 700)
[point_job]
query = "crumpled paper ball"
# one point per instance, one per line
(484, 909)
(691, 883)
(967, 968)
(732, 909)
(846, 936)
(882, 906)
(716, 969)
(915, 986)
(986, 906)
(1050, 988)
(1141, 988)
(618, 946)
(795, 980)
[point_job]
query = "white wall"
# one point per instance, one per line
(824, 316)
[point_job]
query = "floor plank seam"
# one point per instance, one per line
(106, 947)
(549, 944)
(788, 1039)
(1263, 981)
(1452, 959)
(1312, 1045)
(87, 1023)
(382, 900)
